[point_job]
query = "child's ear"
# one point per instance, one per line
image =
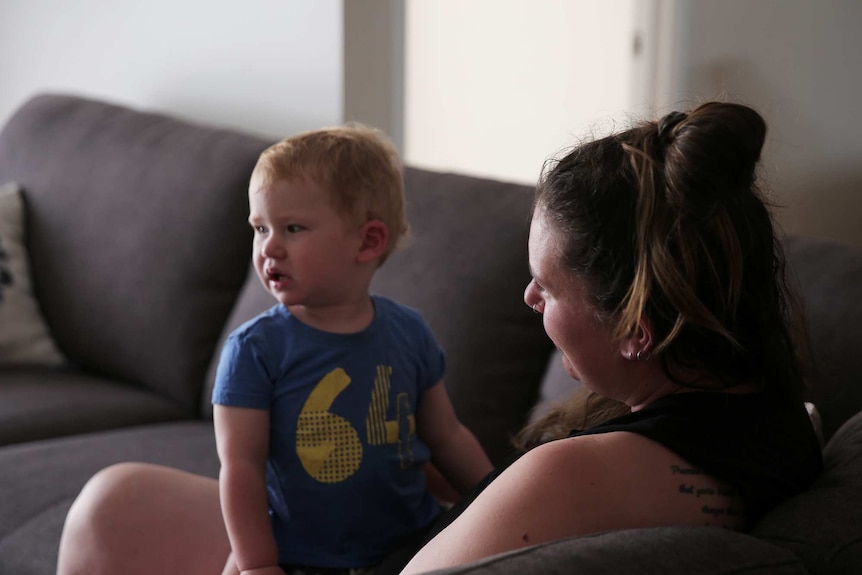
(375, 240)
(637, 347)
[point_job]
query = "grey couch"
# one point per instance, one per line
(139, 247)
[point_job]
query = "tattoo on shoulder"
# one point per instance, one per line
(677, 470)
(713, 508)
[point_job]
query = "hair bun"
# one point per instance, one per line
(669, 122)
(715, 152)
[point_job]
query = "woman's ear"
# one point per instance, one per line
(375, 240)
(639, 345)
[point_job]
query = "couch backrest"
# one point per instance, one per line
(137, 234)
(465, 270)
(828, 274)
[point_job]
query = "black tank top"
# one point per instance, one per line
(764, 446)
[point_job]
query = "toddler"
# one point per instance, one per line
(329, 405)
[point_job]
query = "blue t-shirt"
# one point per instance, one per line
(344, 473)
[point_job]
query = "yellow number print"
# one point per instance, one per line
(327, 444)
(380, 431)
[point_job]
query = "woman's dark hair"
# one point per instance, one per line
(666, 222)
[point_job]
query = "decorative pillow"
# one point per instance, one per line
(24, 336)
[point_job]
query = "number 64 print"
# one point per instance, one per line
(328, 445)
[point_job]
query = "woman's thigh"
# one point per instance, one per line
(138, 518)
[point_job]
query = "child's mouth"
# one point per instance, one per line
(275, 276)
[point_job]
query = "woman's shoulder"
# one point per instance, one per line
(581, 485)
(621, 480)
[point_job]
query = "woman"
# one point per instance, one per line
(659, 277)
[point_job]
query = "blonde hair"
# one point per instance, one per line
(358, 165)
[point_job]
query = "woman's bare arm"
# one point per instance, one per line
(574, 487)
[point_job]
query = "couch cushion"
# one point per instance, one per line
(465, 270)
(823, 526)
(828, 274)
(44, 403)
(24, 336)
(665, 550)
(138, 235)
(557, 386)
(38, 482)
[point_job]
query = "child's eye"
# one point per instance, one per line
(293, 228)
(259, 229)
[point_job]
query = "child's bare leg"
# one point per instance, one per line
(135, 518)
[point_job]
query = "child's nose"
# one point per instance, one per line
(530, 296)
(272, 248)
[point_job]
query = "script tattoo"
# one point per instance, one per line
(677, 470)
(717, 499)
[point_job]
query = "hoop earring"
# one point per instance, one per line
(638, 356)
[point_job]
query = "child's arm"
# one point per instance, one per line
(242, 436)
(455, 451)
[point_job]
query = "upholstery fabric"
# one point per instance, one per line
(828, 276)
(466, 269)
(39, 404)
(159, 191)
(24, 336)
(32, 520)
(556, 385)
(690, 550)
(823, 526)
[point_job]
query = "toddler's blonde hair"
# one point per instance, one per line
(358, 165)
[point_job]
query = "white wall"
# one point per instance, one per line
(270, 67)
(800, 63)
(495, 87)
